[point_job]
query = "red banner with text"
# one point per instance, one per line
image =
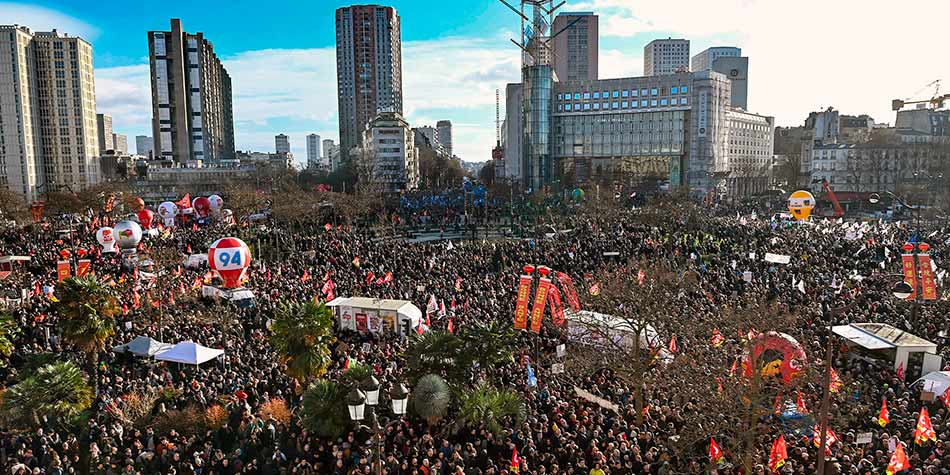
(927, 282)
(569, 292)
(557, 308)
(910, 274)
(62, 270)
(540, 302)
(521, 307)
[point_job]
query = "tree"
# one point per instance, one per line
(488, 344)
(324, 410)
(431, 397)
(435, 353)
(8, 330)
(58, 391)
(87, 311)
(491, 408)
(301, 335)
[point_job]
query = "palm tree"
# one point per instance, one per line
(8, 329)
(323, 410)
(87, 311)
(58, 391)
(431, 397)
(493, 409)
(490, 345)
(436, 352)
(301, 335)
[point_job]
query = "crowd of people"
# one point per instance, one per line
(833, 264)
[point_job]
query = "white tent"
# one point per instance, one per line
(142, 346)
(936, 382)
(365, 314)
(600, 329)
(891, 343)
(189, 352)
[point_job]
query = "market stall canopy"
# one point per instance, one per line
(376, 315)
(936, 382)
(881, 336)
(142, 346)
(189, 352)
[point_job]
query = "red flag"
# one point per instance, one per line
(717, 338)
(451, 327)
(800, 404)
(194, 227)
(557, 308)
(672, 347)
(370, 277)
(136, 299)
(898, 460)
(910, 274)
(419, 329)
(830, 438)
(184, 202)
(458, 284)
(388, 278)
(779, 453)
(594, 290)
(732, 371)
(835, 383)
(641, 277)
(884, 417)
(777, 405)
(570, 294)
(515, 461)
(442, 312)
(306, 276)
(946, 397)
(927, 283)
(189, 249)
(327, 289)
(327, 227)
(715, 453)
(125, 309)
(356, 261)
(924, 430)
(900, 372)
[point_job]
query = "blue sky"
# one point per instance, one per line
(805, 55)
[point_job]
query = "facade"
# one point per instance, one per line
(751, 149)
(279, 160)
(192, 115)
(705, 59)
(49, 138)
(935, 123)
(313, 151)
(282, 143)
(104, 131)
(576, 49)
(120, 144)
(369, 68)
(144, 146)
(445, 136)
(665, 57)
(389, 153)
(331, 154)
(429, 137)
(511, 135)
(873, 168)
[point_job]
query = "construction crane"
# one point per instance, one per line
(935, 102)
(839, 211)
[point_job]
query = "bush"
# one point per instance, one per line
(431, 397)
(324, 411)
(276, 408)
(216, 416)
(188, 421)
(139, 405)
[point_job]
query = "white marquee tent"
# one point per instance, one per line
(189, 352)
(142, 346)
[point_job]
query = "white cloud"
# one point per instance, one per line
(123, 92)
(44, 19)
(617, 64)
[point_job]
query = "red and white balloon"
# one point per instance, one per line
(202, 206)
(106, 238)
(230, 257)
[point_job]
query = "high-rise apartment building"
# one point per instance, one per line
(392, 156)
(120, 144)
(104, 129)
(576, 49)
(667, 56)
(704, 60)
(727, 60)
(144, 146)
(282, 143)
(191, 97)
(48, 131)
(445, 136)
(313, 150)
(369, 69)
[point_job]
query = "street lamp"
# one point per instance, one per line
(902, 290)
(357, 402)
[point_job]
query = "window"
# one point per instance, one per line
(653, 103)
(625, 104)
(596, 106)
(586, 96)
(577, 96)
(567, 107)
(586, 107)
(653, 91)
(674, 90)
(683, 101)
(605, 94)
(663, 102)
(606, 106)
(560, 107)
(559, 97)
(625, 93)
(644, 92)
(673, 101)
(616, 105)
(684, 89)
(596, 95)
(616, 94)
(644, 103)
(633, 104)
(633, 93)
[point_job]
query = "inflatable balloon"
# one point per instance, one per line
(217, 203)
(139, 204)
(128, 234)
(168, 211)
(229, 257)
(106, 238)
(202, 206)
(65, 254)
(800, 204)
(776, 354)
(145, 218)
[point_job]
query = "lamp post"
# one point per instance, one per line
(367, 394)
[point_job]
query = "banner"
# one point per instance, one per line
(569, 292)
(362, 325)
(36, 211)
(910, 274)
(82, 267)
(927, 283)
(62, 270)
(777, 258)
(6, 268)
(540, 302)
(557, 308)
(521, 308)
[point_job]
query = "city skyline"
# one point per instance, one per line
(284, 78)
